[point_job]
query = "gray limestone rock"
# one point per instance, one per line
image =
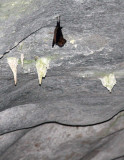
(53, 142)
(72, 92)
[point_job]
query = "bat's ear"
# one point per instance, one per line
(65, 40)
(53, 44)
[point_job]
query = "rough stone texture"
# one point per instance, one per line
(53, 142)
(71, 92)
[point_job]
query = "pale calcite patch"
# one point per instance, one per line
(75, 45)
(108, 81)
(13, 62)
(22, 59)
(42, 64)
(72, 41)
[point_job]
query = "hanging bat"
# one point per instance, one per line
(58, 36)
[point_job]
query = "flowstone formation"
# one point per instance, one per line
(108, 81)
(42, 64)
(78, 111)
(13, 62)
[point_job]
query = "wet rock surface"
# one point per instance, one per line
(71, 93)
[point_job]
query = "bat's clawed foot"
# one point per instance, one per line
(58, 18)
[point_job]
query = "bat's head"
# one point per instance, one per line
(61, 42)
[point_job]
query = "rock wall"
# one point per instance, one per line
(78, 111)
